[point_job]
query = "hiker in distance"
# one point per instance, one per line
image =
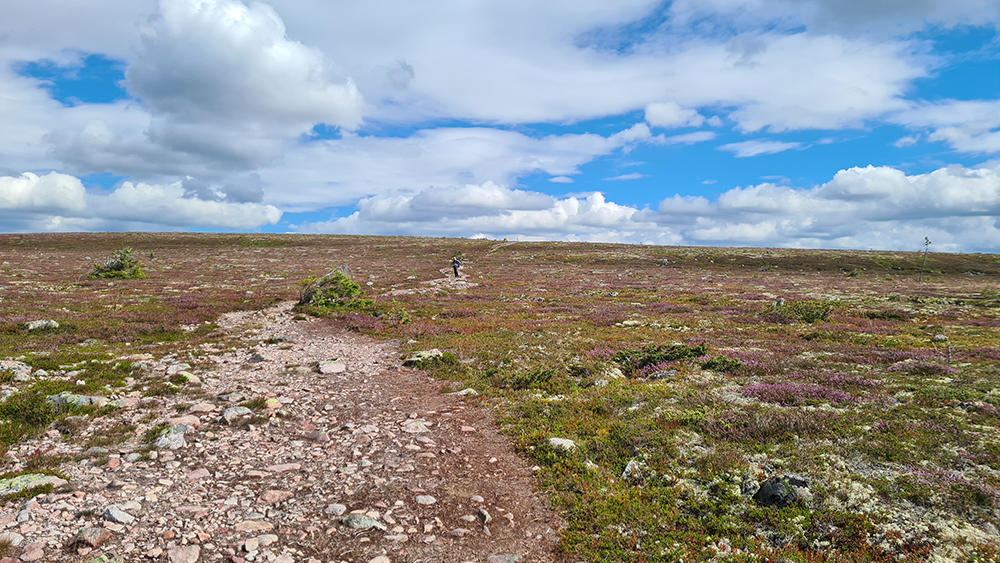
(455, 265)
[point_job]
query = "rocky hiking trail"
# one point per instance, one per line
(350, 457)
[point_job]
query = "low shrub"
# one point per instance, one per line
(886, 315)
(805, 311)
(540, 379)
(632, 361)
(923, 368)
(722, 363)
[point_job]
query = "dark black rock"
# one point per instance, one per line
(782, 490)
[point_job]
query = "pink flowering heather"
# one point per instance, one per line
(793, 394)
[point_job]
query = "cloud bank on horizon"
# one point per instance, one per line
(814, 123)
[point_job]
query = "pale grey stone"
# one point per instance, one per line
(172, 438)
(330, 367)
(563, 444)
(117, 515)
(72, 400)
(362, 522)
(336, 509)
(233, 414)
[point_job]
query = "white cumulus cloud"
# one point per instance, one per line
(669, 115)
(870, 207)
(52, 192)
(57, 201)
(222, 89)
(969, 126)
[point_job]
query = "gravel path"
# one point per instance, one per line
(356, 460)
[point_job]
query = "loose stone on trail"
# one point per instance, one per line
(331, 367)
(117, 515)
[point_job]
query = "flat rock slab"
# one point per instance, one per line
(331, 367)
(67, 399)
(283, 467)
(254, 526)
(29, 481)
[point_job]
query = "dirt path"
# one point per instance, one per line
(369, 462)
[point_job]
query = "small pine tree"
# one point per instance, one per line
(334, 291)
(120, 265)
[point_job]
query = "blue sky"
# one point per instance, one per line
(819, 123)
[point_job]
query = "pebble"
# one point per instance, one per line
(426, 500)
(281, 468)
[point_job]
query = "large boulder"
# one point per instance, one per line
(40, 325)
(419, 358)
(172, 438)
(782, 490)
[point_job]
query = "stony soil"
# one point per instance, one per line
(432, 476)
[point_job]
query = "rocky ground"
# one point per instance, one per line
(343, 456)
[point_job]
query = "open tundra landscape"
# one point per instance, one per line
(231, 401)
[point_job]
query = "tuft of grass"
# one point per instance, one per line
(113, 436)
(24, 414)
(160, 389)
(255, 404)
(153, 433)
(32, 492)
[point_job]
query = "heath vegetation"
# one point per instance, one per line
(686, 377)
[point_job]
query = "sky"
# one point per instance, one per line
(867, 124)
